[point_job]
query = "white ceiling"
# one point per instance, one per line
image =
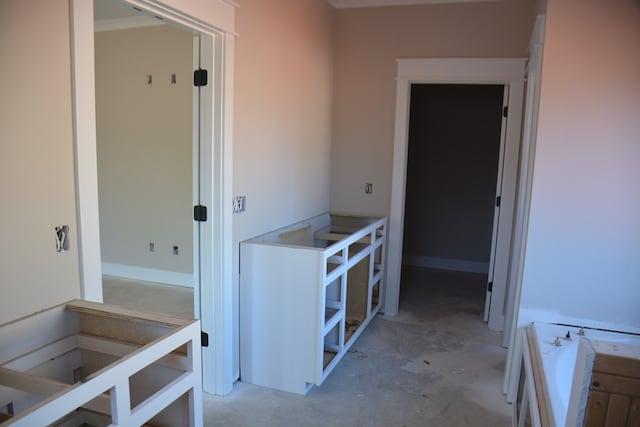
(116, 14)
(106, 10)
(344, 4)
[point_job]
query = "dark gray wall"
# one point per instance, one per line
(454, 142)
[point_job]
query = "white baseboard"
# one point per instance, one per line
(446, 263)
(148, 274)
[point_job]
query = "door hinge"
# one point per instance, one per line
(498, 201)
(200, 213)
(490, 287)
(505, 111)
(204, 339)
(200, 77)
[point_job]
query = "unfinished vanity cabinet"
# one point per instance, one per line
(307, 291)
(89, 364)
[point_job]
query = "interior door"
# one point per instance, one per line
(496, 213)
(199, 210)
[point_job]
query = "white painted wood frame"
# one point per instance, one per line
(506, 71)
(496, 208)
(525, 180)
(214, 20)
(84, 138)
(30, 367)
(294, 294)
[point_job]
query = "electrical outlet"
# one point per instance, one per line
(152, 247)
(175, 250)
(239, 204)
(368, 188)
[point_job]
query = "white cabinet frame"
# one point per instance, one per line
(307, 292)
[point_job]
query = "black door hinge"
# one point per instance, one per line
(505, 111)
(200, 213)
(490, 287)
(200, 78)
(204, 339)
(498, 201)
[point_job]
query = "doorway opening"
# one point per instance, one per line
(215, 55)
(147, 155)
(455, 147)
(506, 72)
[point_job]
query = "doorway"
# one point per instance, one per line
(453, 165)
(508, 72)
(215, 54)
(147, 160)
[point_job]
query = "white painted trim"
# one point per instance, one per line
(507, 206)
(461, 70)
(85, 158)
(346, 4)
(525, 181)
(507, 71)
(446, 263)
(186, 13)
(126, 23)
(134, 272)
(496, 209)
(216, 127)
(217, 250)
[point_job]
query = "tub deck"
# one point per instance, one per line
(557, 356)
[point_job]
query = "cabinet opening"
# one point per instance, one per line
(334, 261)
(333, 299)
(331, 345)
(356, 247)
(377, 261)
(375, 296)
(357, 293)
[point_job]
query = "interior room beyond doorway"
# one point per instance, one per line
(144, 115)
(452, 170)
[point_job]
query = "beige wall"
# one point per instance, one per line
(144, 142)
(36, 147)
(282, 123)
(367, 43)
(583, 248)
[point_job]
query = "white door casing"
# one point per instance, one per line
(505, 71)
(215, 22)
(496, 209)
(525, 181)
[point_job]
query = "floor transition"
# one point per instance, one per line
(435, 364)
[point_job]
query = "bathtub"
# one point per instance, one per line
(556, 354)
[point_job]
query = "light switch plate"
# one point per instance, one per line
(239, 204)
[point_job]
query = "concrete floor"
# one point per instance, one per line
(435, 364)
(148, 296)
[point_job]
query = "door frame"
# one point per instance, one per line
(505, 71)
(525, 182)
(216, 168)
